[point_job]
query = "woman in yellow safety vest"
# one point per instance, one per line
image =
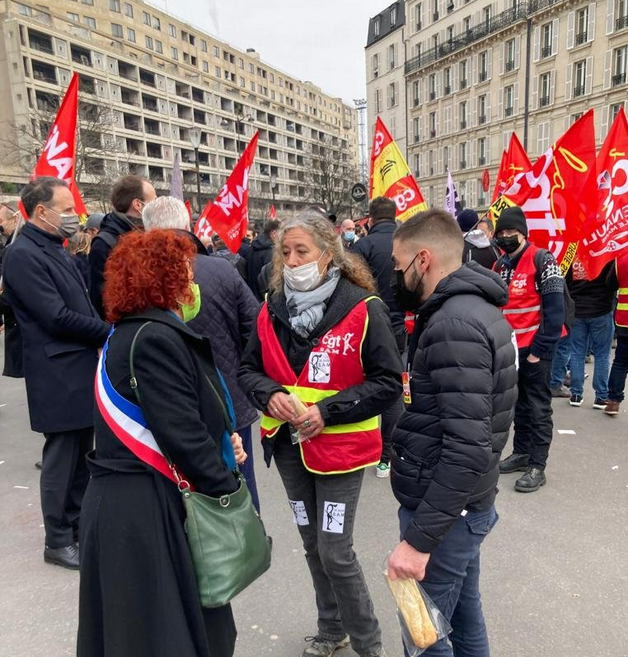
(321, 366)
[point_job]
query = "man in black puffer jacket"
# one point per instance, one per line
(447, 444)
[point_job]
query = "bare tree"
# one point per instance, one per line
(330, 177)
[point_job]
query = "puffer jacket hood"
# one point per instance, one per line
(262, 243)
(117, 223)
(470, 278)
(477, 238)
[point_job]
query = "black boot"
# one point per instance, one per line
(531, 481)
(514, 463)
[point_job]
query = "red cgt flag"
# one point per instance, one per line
(514, 160)
(605, 236)
(203, 228)
(58, 157)
(273, 213)
(229, 214)
(558, 194)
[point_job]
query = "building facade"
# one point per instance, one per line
(477, 71)
(385, 78)
(147, 80)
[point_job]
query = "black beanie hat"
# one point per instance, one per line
(467, 220)
(512, 219)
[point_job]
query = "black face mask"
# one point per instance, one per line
(407, 298)
(507, 244)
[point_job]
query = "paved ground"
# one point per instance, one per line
(555, 569)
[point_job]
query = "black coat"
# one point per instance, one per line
(60, 328)
(13, 359)
(260, 253)
(447, 444)
(227, 318)
(376, 249)
(380, 358)
(138, 591)
(113, 225)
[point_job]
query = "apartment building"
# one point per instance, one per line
(478, 70)
(385, 75)
(164, 85)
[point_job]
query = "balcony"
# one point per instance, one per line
(419, 26)
(130, 97)
(40, 42)
(578, 91)
(618, 78)
(416, 102)
(463, 84)
(546, 51)
(467, 37)
(509, 111)
(435, 16)
(132, 122)
(127, 71)
(510, 65)
(447, 91)
(44, 72)
(147, 78)
(463, 164)
(481, 161)
(482, 76)
(544, 101)
(463, 125)
(149, 103)
(151, 127)
(81, 56)
(87, 85)
(581, 38)
(621, 22)
(482, 119)
(432, 95)
(433, 134)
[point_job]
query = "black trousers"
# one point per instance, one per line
(64, 477)
(391, 415)
(533, 412)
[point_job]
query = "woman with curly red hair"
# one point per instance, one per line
(138, 593)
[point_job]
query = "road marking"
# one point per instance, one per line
(22, 487)
(2, 405)
(1, 462)
(568, 432)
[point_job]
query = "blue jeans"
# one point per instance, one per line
(452, 580)
(598, 331)
(560, 364)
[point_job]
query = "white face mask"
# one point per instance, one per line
(303, 278)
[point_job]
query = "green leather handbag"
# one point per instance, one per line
(228, 543)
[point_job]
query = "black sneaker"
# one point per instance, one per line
(561, 391)
(576, 400)
(600, 403)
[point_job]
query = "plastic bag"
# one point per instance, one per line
(421, 622)
(299, 408)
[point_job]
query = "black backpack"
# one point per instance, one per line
(570, 306)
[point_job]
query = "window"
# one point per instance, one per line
(172, 30)
(114, 5)
(217, 71)
(242, 82)
(621, 14)
(432, 122)
(416, 129)
(393, 16)
(546, 40)
(116, 30)
(375, 63)
(418, 16)
(463, 74)
(482, 109)
(90, 22)
(23, 10)
(545, 82)
(481, 151)
(446, 157)
(88, 2)
(447, 76)
(416, 93)
(483, 66)
(467, 24)
(391, 57)
(464, 115)
(252, 69)
(174, 53)
(252, 86)
(378, 101)
(216, 51)
(620, 63)
(205, 67)
(203, 45)
(435, 15)
(487, 16)
(146, 18)
(130, 34)
(510, 55)
(582, 25)
(73, 17)
(376, 27)
(463, 155)
(509, 100)
(159, 47)
(241, 63)
(156, 23)
(392, 94)
(432, 86)
(149, 42)
(615, 111)
(579, 77)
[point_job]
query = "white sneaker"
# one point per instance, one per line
(383, 470)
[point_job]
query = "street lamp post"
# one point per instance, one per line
(195, 140)
(273, 184)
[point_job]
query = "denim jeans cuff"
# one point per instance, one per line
(331, 637)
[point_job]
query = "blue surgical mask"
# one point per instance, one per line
(349, 236)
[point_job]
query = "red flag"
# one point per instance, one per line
(58, 157)
(605, 236)
(558, 194)
(391, 177)
(515, 160)
(229, 214)
(188, 207)
(203, 228)
(273, 213)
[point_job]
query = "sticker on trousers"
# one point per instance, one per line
(299, 513)
(334, 517)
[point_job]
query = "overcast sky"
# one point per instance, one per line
(321, 41)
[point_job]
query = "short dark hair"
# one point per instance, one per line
(433, 227)
(39, 190)
(382, 208)
(271, 225)
(125, 191)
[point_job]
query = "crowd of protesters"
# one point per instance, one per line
(306, 326)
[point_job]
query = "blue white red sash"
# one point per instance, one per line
(127, 421)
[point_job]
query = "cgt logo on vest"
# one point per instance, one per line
(519, 284)
(332, 344)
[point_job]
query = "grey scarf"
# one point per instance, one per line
(306, 309)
